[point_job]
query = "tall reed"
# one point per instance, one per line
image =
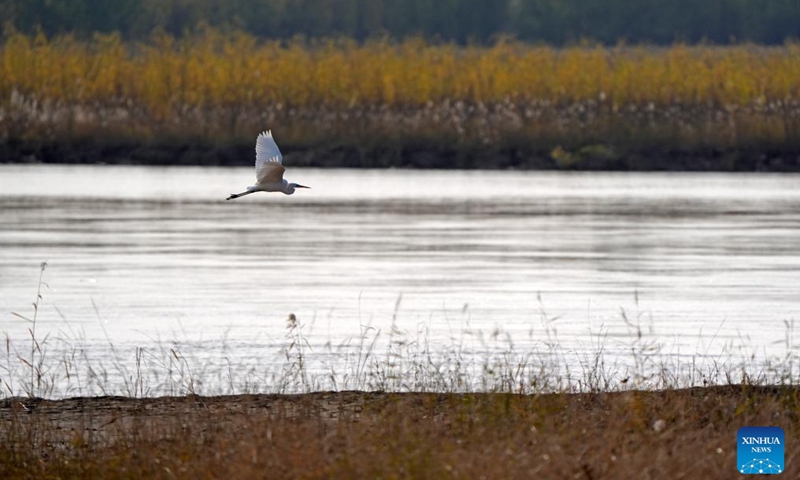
(220, 85)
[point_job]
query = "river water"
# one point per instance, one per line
(150, 270)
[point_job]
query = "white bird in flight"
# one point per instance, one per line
(269, 169)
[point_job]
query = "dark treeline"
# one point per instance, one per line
(551, 21)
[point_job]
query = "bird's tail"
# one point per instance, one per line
(237, 195)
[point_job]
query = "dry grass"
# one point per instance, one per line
(225, 87)
(420, 414)
(670, 434)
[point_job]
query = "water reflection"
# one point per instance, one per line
(699, 258)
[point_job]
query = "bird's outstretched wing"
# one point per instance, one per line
(269, 161)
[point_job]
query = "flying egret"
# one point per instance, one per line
(269, 169)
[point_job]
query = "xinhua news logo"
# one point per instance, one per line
(759, 450)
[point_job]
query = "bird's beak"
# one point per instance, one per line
(301, 186)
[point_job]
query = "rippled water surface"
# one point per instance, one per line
(143, 257)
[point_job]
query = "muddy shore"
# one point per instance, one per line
(636, 434)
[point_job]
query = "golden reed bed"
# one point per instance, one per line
(386, 95)
(214, 69)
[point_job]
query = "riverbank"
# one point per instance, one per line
(201, 100)
(689, 433)
(410, 154)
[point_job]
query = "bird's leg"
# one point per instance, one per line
(237, 195)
